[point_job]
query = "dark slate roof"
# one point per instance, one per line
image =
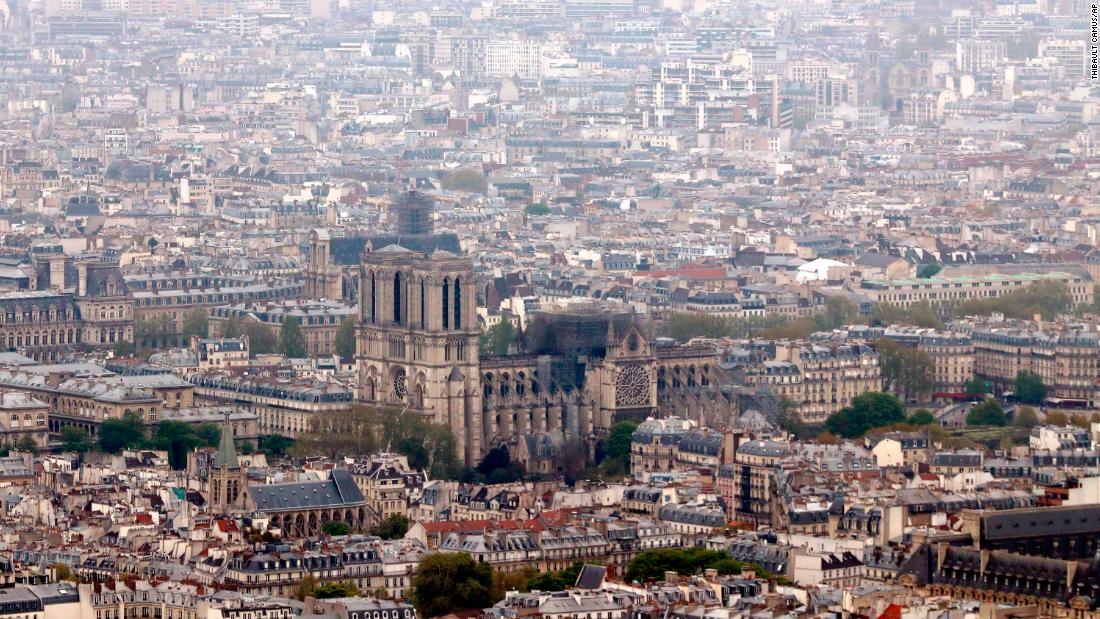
(875, 259)
(337, 491)
(591, 577)
(1039, 522)
(349, 249)
(99, 275)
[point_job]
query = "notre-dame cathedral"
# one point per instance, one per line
(583, 367)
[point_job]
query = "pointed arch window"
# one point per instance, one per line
(446, 303)
(397, 298)
(373, 299)
(458, 303)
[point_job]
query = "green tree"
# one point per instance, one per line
(196, 322)
(839, 312)
(1079, 420)
(495, 340)
(231, 328)
(336, 528)
(1029, 388)
(427, 445)
(905, 369)
(307, 586)
(123, 348)
(28, 444)
(988, 413)
(76, 439)
(393, 527)
(683, 326)
(208, 434)
(261, 339)
(497, 466)
(921, 417)
(537, 208)
(1057, 418)
(448, 581)
(1025, 417)
(617, 446)
(339, 433)
(62, 572)
(291, 341)
(652, 564)
(556, 581)
(345, 339)
(1047, 299)
(868, 410)
(466, 179)
(977, 386)
(177, 438)
(928, 270)
(341, 589)
(788, 419)
(118, 434)
(516, 580)
(275, 444)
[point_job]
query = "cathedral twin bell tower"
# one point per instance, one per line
(417, 330)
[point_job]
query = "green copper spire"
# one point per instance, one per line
(227, 451)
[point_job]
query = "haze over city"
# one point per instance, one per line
(549, 309)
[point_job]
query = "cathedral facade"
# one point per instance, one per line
(582, 368)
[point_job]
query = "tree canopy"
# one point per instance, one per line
(495, 340)
(921, 417)
(125, 433)
(988, 413)
(76, 439)
(538, 208)
(905, 369)
(342, 589)
(977, 386)
(653, 563)
(1025, 417)
(336, 528)
(466, 179)
(366, 429)
(291, 341)
(1047, 299)
(616, 449)
(392, 527)
(449, 581)
(928, 270)
(556, 581)
(345, 339)
(196, 322)
(867, 411)
(179, 438)
(261, 339)
(1029, 388)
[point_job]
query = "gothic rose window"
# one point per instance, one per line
(632, 386)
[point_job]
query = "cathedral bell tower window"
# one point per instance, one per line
(397, 298)
(446, 303)
(458, 303)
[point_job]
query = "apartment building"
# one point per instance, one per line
(749, 484)
(951, 354)
(950, 290)
(828, 377)
(1067, 362)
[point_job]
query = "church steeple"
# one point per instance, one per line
(226, 477)
(226, 458)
